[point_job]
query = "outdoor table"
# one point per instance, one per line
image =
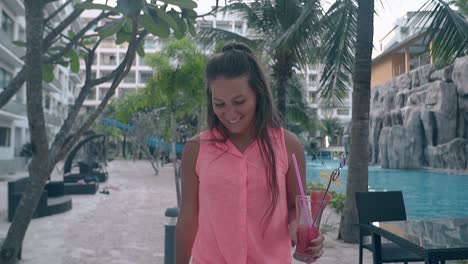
(434, 240)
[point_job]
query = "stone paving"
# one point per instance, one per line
(127, 225)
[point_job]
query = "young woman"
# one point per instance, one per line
(238, 180)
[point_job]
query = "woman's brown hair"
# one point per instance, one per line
(238, 60)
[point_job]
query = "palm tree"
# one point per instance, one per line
(299, 116)
(349, 32)
(332, 128)
(177, 86)
(270, 20)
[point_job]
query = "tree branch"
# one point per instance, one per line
(130, 52)
(57, 11)
(48, 40)
(72, 42)
(59, 148)
(13, 87)
(15, 84)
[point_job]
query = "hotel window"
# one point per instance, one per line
(312, 79)
(342, 112)
(122, 56)
(47, 102)
(108, 59)
(130, 78)
(8, 25)
(92, 94)
(5, 78)
(149, 44)
(4, 136)
(104, 74)
(141, 61)
(312, 97)
(145, 76)
(102, 93)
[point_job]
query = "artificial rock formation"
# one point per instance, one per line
(421, 119)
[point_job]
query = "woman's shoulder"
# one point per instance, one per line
(291, 140)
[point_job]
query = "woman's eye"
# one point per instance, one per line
(219, 105)
(239, 102)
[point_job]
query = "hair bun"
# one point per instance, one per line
(236, 47)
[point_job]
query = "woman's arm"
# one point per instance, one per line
(293, 145)
(187, 223)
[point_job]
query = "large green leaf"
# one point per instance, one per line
(122, 37)
(94, 6)
(189, 13)
(164, 16)
(74, 60)
(154, 27)
(191, 28)
(140, 50)
(19, 43)
(48, 73)
(110, 28)
(130, 7)
(182, 3)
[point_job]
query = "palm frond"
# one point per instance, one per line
(447, 29)
(260, 17)
(208, 36)
(338, 52)
(301, 33)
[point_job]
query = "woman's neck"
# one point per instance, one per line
(243, 140)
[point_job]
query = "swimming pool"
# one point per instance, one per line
(427, 194)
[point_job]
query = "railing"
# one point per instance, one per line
(6, 41)
(15, 107)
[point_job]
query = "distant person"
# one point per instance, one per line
(238, 180)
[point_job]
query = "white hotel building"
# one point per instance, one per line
(109, 55)
(58, 95)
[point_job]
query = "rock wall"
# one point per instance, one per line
(421, 119)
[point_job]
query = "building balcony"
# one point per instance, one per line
(53, 87)
(9, 52)
(16, 5)
(53, 119)
(15, 107)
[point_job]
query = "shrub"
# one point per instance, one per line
(337, 201)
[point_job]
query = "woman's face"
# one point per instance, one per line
(234, 103)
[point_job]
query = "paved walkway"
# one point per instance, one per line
(126, 226)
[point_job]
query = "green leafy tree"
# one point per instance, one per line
(332, 128)
(129, 21)
(177, 86)
(299, 116)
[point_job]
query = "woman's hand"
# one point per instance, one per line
(316, 246)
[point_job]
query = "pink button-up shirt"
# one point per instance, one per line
(233, 201)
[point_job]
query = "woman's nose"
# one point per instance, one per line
(230, 112)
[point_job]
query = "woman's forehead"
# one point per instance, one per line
(230, 86)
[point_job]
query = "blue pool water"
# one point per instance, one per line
(427, 194)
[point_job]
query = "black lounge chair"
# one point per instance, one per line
(92, 165)
(48, 205)
(378, 207)
(60, 188)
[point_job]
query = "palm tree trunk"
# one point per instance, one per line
(358, 159)
(282, 72)
(39, 169)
